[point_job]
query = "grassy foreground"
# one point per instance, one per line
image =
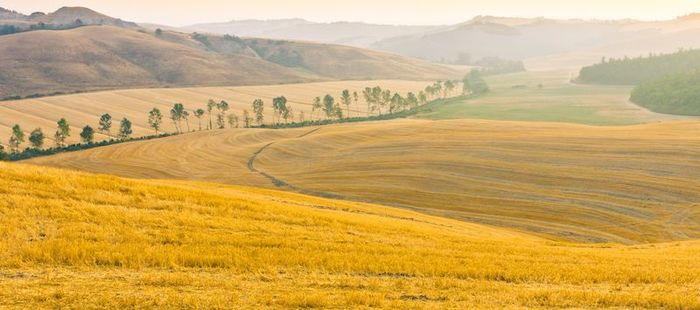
(72, 239)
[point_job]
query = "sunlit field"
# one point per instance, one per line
(626, 184)
(99, 241)
(85, 109)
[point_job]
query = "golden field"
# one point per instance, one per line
(134, 104)
(626, 184)
(81, 240)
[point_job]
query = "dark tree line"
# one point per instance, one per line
(37, 138)
(672, 94)
(381, 104)
(633, 71)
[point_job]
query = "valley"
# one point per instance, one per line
(308, 156)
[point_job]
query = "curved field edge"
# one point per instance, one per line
(73, 237)
(134, 104)
(629, 184)
(584, 183)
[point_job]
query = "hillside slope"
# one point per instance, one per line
(630, 184)
(548, 43)
(345, 33)
(98, 241)
(61, 18)
(99, 57)
(109, 57)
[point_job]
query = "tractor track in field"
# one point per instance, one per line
(281, 183)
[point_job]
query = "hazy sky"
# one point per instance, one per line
(180, 13)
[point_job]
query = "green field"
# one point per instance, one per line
(519, 97)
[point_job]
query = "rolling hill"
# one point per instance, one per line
(345, 33)
(545, 41)
(109, 56)
(627, 184)
(103, 241)
(63, 17)
(549, 96)
(85, 109)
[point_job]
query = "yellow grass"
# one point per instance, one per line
(80, 240)
(630, 184)
(85, 109)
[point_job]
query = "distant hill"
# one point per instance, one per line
(505, 38)
(106, 57)
(93, 51)
(63, 17)
(575, 41)
(346, 33)
(632, 71)
(543, 43)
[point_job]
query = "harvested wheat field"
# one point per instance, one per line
(100, 241)
(85, 109)
(628, 184)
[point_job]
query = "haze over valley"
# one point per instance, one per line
(446, 155)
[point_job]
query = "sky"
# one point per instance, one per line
(419, 12)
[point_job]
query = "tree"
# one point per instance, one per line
(87, 135)
(429, 91)
(105, 123)
(233, 120)
(329, 106)
(246, 119)
(377, 99)
(367, 94)
(346, 98)
(36, 138)
(279, 105)
(356, 98)
(210, 106)
(422, 98)
(301, 117)
(62, 133)
(155, 119)
(449, 87)
(125, 129)
(386, 99)
(159, 32)
(287, 114)
(16, 139)
(176, 115)
(411, 99)
(186, 117)
(396, 103)
(316, 106)
(437, 87)
(199, 113)
(474, 84)
(259, 109)
(338, 111)
(223, 107)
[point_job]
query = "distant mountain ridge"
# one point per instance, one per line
(486, 36)
(101, 52)
(62, 17)
(347, 33)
